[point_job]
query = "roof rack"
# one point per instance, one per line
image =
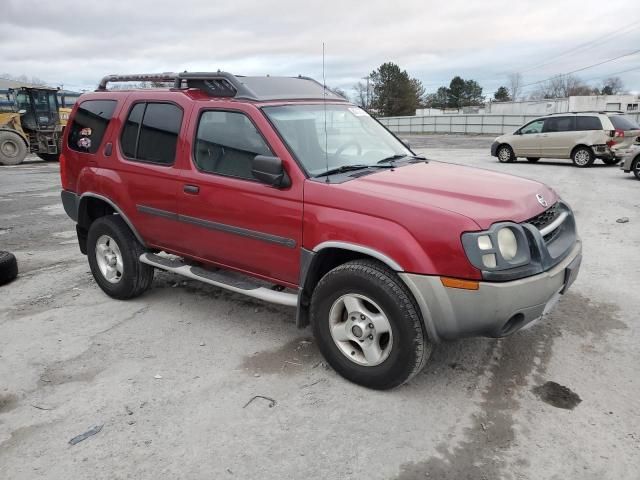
(224, 84)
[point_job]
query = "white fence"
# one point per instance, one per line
(462, 124)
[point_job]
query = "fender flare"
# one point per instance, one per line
(391, 263)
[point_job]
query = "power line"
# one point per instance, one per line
(601, 39)
(581, 69)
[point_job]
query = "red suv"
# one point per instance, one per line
(278, 189)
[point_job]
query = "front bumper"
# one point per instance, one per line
(496, 309)
(494, 149)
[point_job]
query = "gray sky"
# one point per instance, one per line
(77, 42)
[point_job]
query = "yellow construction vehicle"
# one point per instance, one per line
(30, 123)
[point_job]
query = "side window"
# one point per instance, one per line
(89, 124)
(150, 133)
(533, 127)
(588, 123)
(226, 143)
(559, 124)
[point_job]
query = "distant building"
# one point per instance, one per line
(624, 103)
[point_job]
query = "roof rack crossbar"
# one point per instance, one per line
(138, 77)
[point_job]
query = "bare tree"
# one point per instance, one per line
(515, 85)
(562, 86)
(361, 94)
(612, 86)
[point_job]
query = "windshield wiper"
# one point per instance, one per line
(392, 158)
(350, 168)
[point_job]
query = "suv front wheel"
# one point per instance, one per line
(368, 326)
(114, 253)
(583, 157)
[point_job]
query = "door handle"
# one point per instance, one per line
(192, 189)
(108, 148)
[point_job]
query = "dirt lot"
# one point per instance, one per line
(169, 375)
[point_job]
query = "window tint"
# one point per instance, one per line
(533, 127)
(89, 124)
(559, 124)
(150, 133)
(623, 122)
(226, 143)
(588, 123)
(129, 137)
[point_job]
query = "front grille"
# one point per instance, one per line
(545, 218)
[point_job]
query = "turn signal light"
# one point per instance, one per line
(458, 283)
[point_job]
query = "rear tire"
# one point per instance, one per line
(505, 154)
(8, 267)
(368, 326)
(13, 150)
(532, 159)
(583, 157)
(635, 167)
(114, 252)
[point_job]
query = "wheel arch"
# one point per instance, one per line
(581, 145)
(92, 206)
(509, 146)
(326, 256)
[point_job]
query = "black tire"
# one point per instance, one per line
(635, 167)
(610, 161)
(532, 159)
(8, 267)
(505, 154)
(13, 150)
(135, 277)
(583, 157)
(409, 345)
(49, 157)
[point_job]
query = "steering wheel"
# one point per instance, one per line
(347, 144)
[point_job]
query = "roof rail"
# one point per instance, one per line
(224, 84)
(137, 77)
(586, 111)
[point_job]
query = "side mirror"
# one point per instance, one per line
(269, 170)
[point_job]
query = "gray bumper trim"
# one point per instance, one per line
(70, 203)
(451, 313)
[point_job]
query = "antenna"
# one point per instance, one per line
(324, 101)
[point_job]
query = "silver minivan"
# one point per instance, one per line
(582, 137)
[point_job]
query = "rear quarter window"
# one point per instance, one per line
(89, 124)
(588, 123)
(623, 122)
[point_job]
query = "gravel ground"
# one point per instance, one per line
(168, 375)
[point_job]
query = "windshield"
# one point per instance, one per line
(352, 136)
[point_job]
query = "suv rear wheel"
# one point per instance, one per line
(635, 167)
(368, 326)
(582, 157)
(114, 253)
(505, 154)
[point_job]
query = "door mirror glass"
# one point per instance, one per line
(270, 170)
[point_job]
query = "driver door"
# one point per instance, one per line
(527, 143)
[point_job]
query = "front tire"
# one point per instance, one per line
(114, 253)
(368, 326)
(13, 150)
(505, 154)
(583, 157)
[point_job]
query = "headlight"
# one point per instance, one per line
(503, 246)
(507, 243)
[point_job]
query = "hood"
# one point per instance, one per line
(483, 196)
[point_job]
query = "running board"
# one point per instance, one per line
(223, 279)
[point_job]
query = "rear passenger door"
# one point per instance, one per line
(142, 169)
(229, 217)
(558, 137)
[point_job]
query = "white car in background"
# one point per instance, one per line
(582, 137)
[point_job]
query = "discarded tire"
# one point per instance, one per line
(8, 267)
